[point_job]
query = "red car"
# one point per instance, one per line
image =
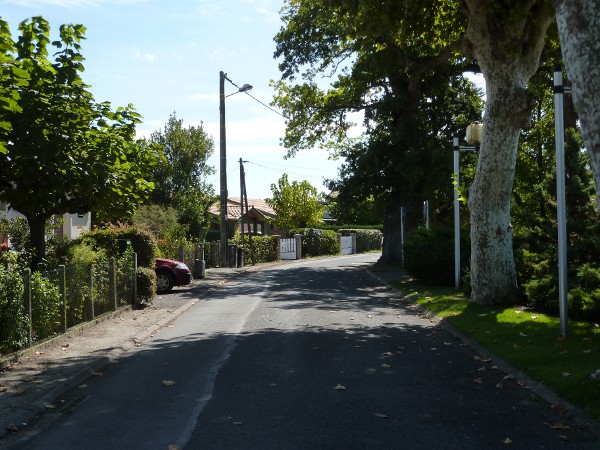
(171, 273)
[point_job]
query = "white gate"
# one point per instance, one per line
(346, 243)
(287, 248)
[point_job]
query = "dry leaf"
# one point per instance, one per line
(369, 316)
(483, 315)
(534, 317)
(478, 381)
(97, 374)
(481, 369)
(383, 416)
(82, 386)
(3, 389)
(559, 426)
(507, 441)
(566, 374)
(238, 422)
(339, 387)
(48, 406)
(317, 348)
(587, 351)
(386, 366)
(11, 427)
(172, 447)
(522, 334)
(447, 343)
(168, 383)
(387, 354)
(39, 353)
(518, 311)
(500, 385)
(508, 377)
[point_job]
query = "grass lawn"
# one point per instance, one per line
(528, 340)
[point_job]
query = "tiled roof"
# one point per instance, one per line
(234, 208)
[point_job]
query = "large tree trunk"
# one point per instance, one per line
(579, 28)
(37, 239)
(493, 277)
(507, 45)
(391, 253)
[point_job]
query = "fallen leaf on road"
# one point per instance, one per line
(481, 369)
(478, 381)
(508, 377)
(369, 316)
(18, 393)
(507, 441)
(48, 406)
(358, 346)
(172, 447)
(482, 315)
(339, 387)
(387, 354)
(83, 386)
(97, 374)
(3, 389)
(237, 423)
(558, 426)
(168, 383)
(566, 374)
(351, 318)
(386, 366)
(447, 343)
(317, 348)
(39, 353)
(500, 385)
(522, 334)
(383, 416)
(11, 427)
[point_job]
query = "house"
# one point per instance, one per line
(259, 220)
(72, 226)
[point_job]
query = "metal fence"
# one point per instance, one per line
(48, 303)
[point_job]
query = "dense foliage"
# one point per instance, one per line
(317, 242)
(180, 174)
(297, 204)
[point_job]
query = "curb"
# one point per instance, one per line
(39, 406)
(577, 414)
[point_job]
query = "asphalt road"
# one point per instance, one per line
(313, 355)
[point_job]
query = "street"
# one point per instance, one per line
(311, 355)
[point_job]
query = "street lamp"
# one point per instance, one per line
(223, 162)
(561, 214)
(473, 138)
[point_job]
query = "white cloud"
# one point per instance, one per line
(148, 57)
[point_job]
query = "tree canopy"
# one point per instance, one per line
(64, 152)
(180, 175)
(297, 204)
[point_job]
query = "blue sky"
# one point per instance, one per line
(164, 56)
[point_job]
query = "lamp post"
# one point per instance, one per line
(223, 162)
(561, 215)
(474, 133)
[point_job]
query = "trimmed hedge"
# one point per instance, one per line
(114, 240)
(317, 242)
(265, 248)
(366, 239)
(429, 254)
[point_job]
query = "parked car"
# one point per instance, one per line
(171, 273)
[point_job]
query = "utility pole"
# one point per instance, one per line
(223, 171)
(244, 201)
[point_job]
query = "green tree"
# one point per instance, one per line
(392, 61)
(180, 176)
(65, 152)
(297, 205)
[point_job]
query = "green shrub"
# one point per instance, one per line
(115, 239)
(264, 248)
(317, 242)
(429, 254)
(146, 284)
(366, 239)
(45, 307)
(13, 319)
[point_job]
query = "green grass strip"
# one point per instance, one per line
(528, 340)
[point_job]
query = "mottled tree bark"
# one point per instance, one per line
(579, 28)
(506, 42)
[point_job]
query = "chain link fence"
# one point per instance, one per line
(36, 306)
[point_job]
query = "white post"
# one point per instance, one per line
(561, 216)
(402, 233)
(456, 215)
(426, 213)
